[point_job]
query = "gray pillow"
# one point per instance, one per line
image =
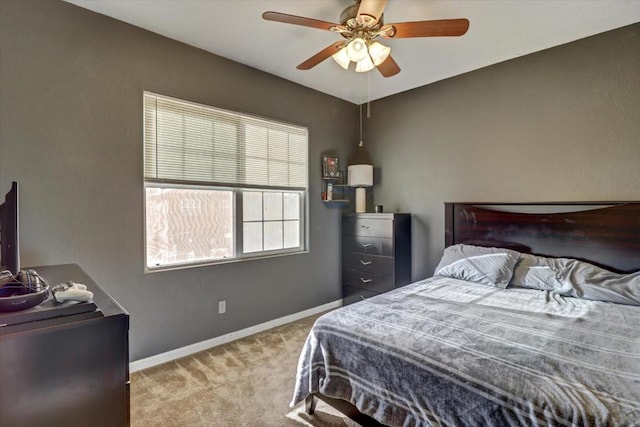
(536, 272)
(488, 266)
(587, 281)
(578, 279)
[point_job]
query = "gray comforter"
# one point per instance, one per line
(449, 352)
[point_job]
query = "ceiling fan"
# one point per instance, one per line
(361, 24)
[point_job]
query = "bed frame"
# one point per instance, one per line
(602, 233)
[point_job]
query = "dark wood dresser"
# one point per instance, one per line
(66, 370)
(376, 254)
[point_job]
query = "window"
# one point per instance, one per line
(271, 221)
(220, 185)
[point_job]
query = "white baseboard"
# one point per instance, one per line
(158, 359)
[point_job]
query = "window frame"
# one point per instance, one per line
(238, 190)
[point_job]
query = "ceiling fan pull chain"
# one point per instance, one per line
(362, 90)
(369, 96)
(360, 116)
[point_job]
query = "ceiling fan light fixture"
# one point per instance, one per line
(357, 49)
(364, 65)
(360, 24)
(378, 53)
(342, 58)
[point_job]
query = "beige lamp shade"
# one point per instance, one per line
(364, 65)
(367, 55)
(360, 175)
(342, 58)
(379, 53)
(357, 49)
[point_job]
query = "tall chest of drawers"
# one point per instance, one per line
(376, 254)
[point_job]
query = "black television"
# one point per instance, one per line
(9, 230)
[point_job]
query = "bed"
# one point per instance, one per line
(556, 345)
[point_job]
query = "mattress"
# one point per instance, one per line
(444, 351)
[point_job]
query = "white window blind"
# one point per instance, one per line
(193, 143)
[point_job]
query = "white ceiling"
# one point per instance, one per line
(499, 30)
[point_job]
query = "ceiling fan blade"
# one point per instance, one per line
(298, 20)
(370, 11)
(437, 28)
(321, 56)
(389, 67)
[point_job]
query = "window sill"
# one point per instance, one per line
(148, 270)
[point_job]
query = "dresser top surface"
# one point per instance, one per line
(371, 215)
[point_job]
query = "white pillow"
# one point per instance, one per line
(488, 266)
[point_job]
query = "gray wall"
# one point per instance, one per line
(558, 125)
(71, 85)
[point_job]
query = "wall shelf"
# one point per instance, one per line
(333, 191)
(345, 201)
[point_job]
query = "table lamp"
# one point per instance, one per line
(360, 176)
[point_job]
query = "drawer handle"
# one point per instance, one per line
(365, 280)
(365, 262)
(365, 245)
(366, 227)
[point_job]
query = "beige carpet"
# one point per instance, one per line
(248, 382)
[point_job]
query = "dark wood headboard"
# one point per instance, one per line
(602, 233)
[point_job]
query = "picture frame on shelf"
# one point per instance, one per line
(330, 167)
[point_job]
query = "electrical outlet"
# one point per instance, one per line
(222, 307)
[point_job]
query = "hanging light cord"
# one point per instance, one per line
(368, 106)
